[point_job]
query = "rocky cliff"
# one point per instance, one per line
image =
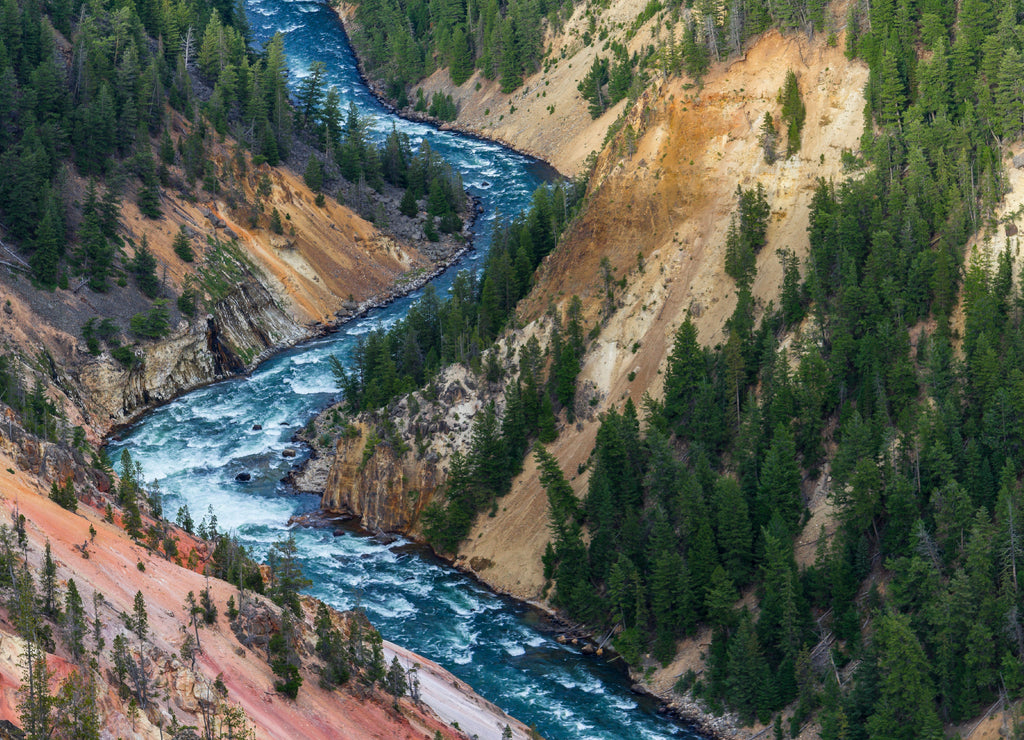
(669, 196)
(258, 290)
(230, 680)
(385, 469)
(384, 487)
(245, 327)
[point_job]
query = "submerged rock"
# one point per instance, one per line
(243, 477)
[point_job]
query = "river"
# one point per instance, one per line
(195, 446)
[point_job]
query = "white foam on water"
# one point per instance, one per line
(622, 704)
(514, 649)
(394, 608)
(312, 385)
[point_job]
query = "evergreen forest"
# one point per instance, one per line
(101, 103)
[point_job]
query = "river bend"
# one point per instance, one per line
(195, 446)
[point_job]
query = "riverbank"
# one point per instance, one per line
(590, 644)
(404, 285)
(567, 169)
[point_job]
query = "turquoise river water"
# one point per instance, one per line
(196, 445)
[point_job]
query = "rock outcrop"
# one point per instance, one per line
(245, 327)
(381, 487)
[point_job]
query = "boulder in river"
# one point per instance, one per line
(243, 477)
(288, 452)
(257, 427)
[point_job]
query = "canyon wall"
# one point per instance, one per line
(657, 213)
(387, 483)
(244, 327)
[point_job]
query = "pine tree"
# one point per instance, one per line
(906, 706)
(148, 198)
(591, 87)
(683, 375)
(286, 574)
(892, 92)
(314, 173)
(408, 205)
(74, 621)
(488, 457)
(64, 495)
(620, 78)
(793, 112)
(394, 682)
(48, 584)
(511, 64)
(769, 138)
(181, 245)
(76, 711)
(721, 599)
(138, 623)
(460, 60)
(36, 706)
(144, 267)
(48, 245)
(749, 680)
(166, 149)
(778, 491)
(310, 98)
(733, 528)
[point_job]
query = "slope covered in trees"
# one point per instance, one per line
(925, 487)
(389, 363)
(402, 41)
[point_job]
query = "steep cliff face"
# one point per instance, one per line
(263, 290)
(244, 328)
(230, 673)
(387, 483)
(381, 487)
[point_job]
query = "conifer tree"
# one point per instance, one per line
(181, 245)
(793, 112)
(48, 246)
(144, 267)
(76, 712)
(286, 573)
(591, 87)
(74, 621)
(36, 706)
(148, 198)
(749, 682)
(511, 64)
(48, 584)
(408, 205)
(138, 623)
(906, 703)
(460, 62)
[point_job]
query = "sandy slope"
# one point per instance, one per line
(670, 202)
